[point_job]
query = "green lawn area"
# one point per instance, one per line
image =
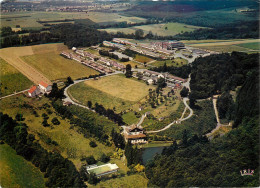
(71, 143)
(16, 171)
(54, 66)
(11, 79)
(177, 62)
(136, 180)
(112, 91)
(253, 45)
(225, 48)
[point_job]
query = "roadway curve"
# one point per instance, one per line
(179, 120)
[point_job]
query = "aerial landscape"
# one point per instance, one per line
(129, 94)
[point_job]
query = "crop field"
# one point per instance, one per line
(11, 79)
(16, 171)
(71, 144)
(54, 66)
(28, 20)
(112, 91)
(177, 62)
(159, 29)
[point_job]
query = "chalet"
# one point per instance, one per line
(34, 91)
(135, 135)
(44, 87)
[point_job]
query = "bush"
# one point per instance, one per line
(104, 158)
(92, 144)
(91, 160)
(55, 121)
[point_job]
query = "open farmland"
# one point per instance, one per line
(28, 20)
(16, 171)
(13, 57)
(54, 66)
(112, 91)
(159, 29)
(11, 79)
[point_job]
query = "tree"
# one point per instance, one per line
(184, 92)
(55, 121)
(161, 83)
(128, 71)
(89, 104)
(69, 81)
(139, 33)
(90, 160)
(92, 179)
(104, 158)
(92, 144)
(19, 117)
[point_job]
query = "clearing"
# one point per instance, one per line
(159, 29)
(11, 79)
(16, 171)
(112, 91)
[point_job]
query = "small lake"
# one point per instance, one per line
(149, 153)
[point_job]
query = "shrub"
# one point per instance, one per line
(90, 160)
(55, 121)
(92, 144)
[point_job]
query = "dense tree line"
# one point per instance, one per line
(219, 73)
(182, 71)
(133, 155)
(218, 163)
(60, 172)
(118, 139)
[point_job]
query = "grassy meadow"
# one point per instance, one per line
(16, 171)
(252, 46)
(159, 29)
(71, 143)
(177, 62)
(112, 91)
(11, 79)
(142, 58)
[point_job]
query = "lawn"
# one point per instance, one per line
(71, 143)
(112, 91)
(136, 180)
(11, 79)
(48, 61)
(16, 171)
(177, 62)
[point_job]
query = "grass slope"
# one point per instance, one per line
(177, 62)
(16, 171)
(11, 79)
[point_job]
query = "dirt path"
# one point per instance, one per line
(13, 57)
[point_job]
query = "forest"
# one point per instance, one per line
(218, 73)
(197, 162)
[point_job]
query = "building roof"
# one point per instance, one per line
(135, 136)
(43, 84)
(32, 89)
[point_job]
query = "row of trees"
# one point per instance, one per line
(60, 172)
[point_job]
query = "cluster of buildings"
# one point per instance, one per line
(168, 45)
(40, 89)
(152, 77)
(135, 134)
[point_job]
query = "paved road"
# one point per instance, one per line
(141, 120)
(14, 94)
(179, 120)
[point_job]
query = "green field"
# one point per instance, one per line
(177, 62)
(159, 29)
(16, 171)
(54, 66)
(142, 58)
(253, 45)
(11, 79)
(28, 20)
(112, 91)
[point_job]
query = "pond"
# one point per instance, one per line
(150, 152)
